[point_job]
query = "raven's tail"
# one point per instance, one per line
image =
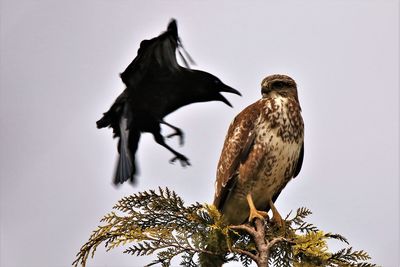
(127, 146)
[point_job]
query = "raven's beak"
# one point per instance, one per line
(223, 99)
(227, 89)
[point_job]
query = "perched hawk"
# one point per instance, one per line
(263, 151)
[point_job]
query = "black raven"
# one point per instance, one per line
(156, 85)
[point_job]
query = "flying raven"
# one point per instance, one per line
(156, 85)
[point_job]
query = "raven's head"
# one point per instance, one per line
(209, 88)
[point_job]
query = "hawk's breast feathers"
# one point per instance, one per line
(262, 150)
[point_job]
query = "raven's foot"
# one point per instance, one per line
(184, 160)
(178, 132)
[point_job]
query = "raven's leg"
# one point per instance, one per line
(160, 140)
(177, 132)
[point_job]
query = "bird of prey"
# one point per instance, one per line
(156, 85)
(263, 151)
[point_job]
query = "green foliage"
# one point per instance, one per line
(159, 222)
(156, 222)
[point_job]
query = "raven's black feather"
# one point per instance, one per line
(156, 85)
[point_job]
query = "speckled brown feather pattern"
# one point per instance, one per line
(261, 150)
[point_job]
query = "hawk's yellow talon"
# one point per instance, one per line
(254, 213)
(276, 217)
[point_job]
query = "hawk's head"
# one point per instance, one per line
(278, 83)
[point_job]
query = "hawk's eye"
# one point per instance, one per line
(278, 85)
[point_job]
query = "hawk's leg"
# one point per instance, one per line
(254, 213)
(178, 132)
(276, 217)
(178, 156)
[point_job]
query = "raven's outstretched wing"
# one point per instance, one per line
(156, 85)
(156, 56)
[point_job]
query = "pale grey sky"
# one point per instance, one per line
(59, 72)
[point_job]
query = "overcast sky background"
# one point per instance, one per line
(60, 62)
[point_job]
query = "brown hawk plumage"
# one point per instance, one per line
(263, 151)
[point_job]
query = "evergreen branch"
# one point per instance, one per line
(337, 237)
(158, 222)
(244, 227)
(245, 252)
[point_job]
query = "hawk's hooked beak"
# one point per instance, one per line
(265, 91)
(227, 89)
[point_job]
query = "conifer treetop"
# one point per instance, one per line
(158, 222)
